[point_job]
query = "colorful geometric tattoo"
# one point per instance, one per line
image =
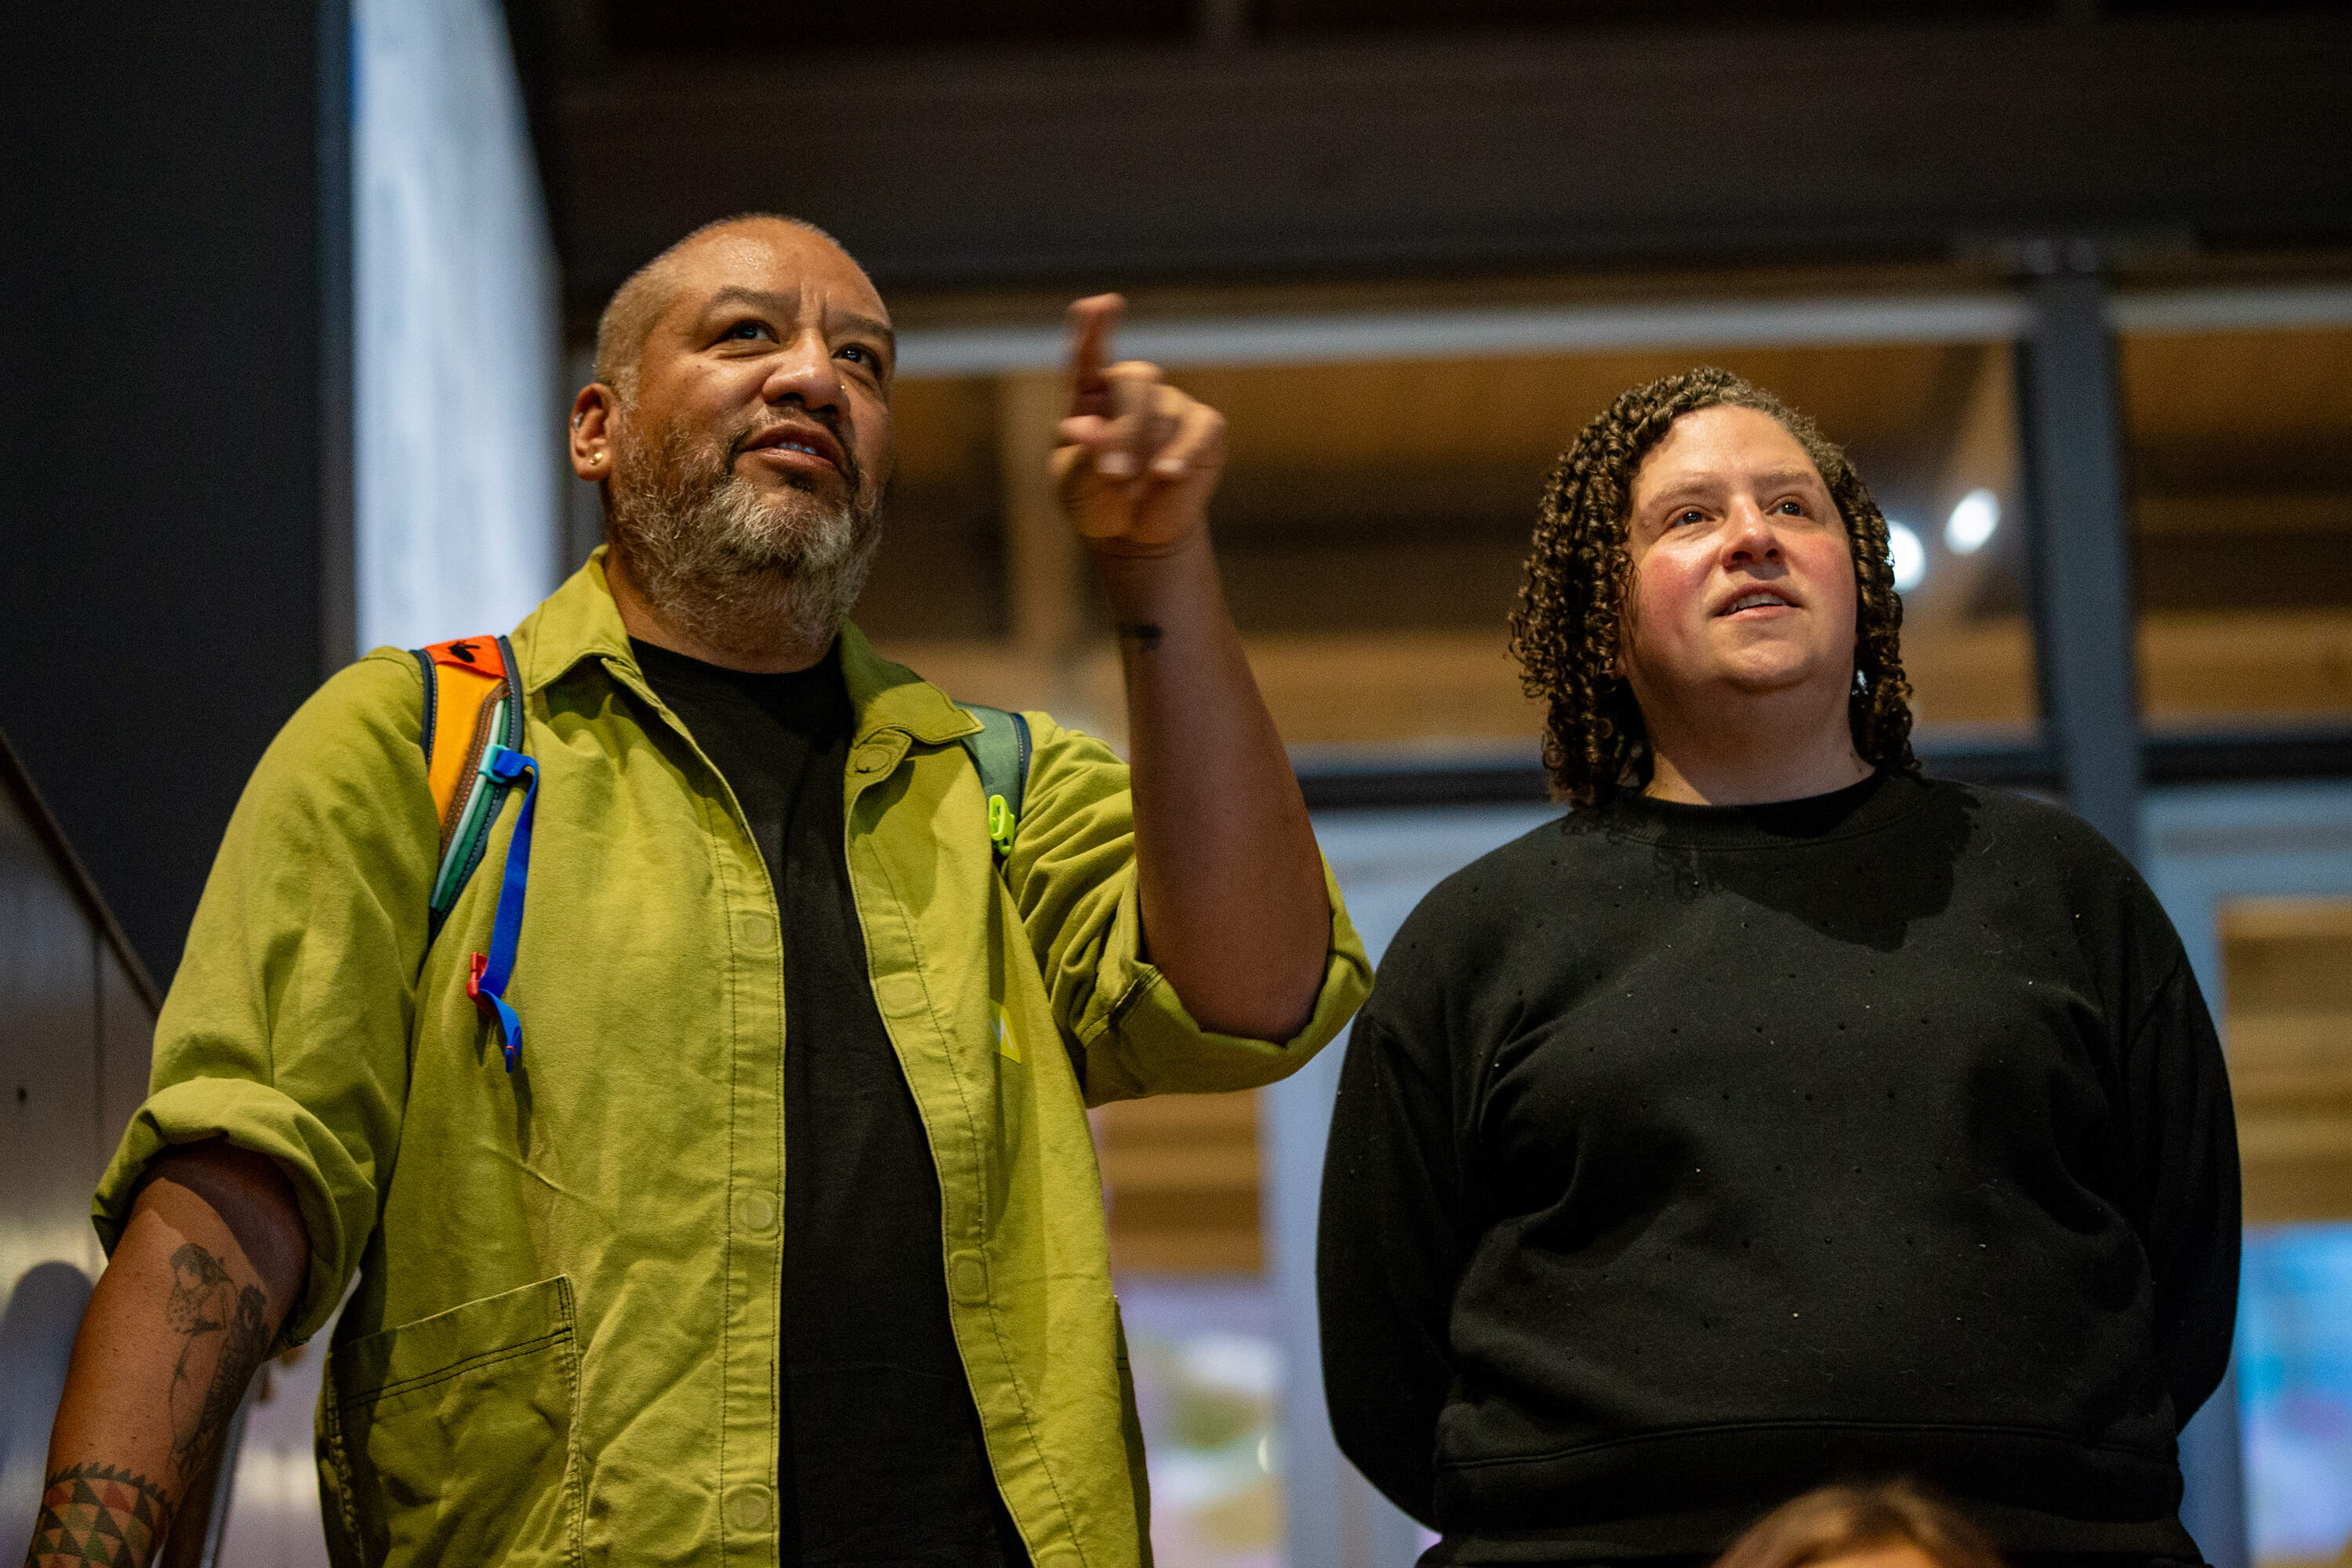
(95, 1513)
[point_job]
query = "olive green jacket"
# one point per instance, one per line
(562, 1346)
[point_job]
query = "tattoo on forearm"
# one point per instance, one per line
(228, 1331)
(1145, 635)
(96, 1513)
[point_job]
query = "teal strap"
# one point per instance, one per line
(1001, 753)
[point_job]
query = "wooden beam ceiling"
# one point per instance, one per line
(1118, 163)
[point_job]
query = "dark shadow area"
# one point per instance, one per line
(36, 1335)
(163, 425)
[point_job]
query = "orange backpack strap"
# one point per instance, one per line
(469, 707)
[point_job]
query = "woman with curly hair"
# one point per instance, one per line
(1776, 1115)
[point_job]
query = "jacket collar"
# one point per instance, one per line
(887, 696)
(579, 621)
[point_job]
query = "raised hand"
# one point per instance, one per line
(1139, 457)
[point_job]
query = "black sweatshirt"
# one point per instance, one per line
(1688, 1157)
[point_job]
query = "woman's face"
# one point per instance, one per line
(1743, 579)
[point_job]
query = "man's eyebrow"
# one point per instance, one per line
(786, 305)
(869, 325)
(759, 299)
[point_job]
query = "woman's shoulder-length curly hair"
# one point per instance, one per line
(1566, 630)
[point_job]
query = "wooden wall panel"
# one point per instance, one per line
(1180, 1176)
(2288, 1024)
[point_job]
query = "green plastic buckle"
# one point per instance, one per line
(1000, 823)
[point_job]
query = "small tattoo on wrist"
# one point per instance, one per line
(1144, 635)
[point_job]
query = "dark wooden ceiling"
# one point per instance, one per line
(1046, 142)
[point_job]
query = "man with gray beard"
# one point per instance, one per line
(781, 1238)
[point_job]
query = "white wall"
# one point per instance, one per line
(458, 406)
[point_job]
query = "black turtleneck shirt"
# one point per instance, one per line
(883, 1459)
(1685, 1158)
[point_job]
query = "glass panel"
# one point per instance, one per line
(2294, 1380)
(2241, 453)
(1207, 1370)
(2288, 1022)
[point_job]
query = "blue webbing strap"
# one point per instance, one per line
(492, 971)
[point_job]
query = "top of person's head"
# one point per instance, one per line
(1567, 630)
(1891, 1524)
(638, 303)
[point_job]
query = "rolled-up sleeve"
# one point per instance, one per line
(287, 1024)
(1072, 876)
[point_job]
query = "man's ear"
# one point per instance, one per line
(595, 413)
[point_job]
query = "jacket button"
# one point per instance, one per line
(899, 993)
(873, 757)
(755, 1211)
(968, 1277)
(748, 1510)
(755, 931)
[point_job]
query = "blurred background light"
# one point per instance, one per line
(1974, 517)
(1910, 556)
(2295, 1367)
(456, 373)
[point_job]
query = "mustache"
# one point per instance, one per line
(852, 471)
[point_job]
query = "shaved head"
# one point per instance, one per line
(629, 316)
(740, 426)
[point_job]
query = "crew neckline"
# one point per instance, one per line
(653, 654)
(1868, 806)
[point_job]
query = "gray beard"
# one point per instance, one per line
(733, 565)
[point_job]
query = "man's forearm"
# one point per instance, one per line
(1234, 902)
(187, 1309)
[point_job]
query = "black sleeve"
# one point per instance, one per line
(1390, 1250)
(2185, 1148)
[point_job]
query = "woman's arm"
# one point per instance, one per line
(2184, 1136)
(1392, 1248)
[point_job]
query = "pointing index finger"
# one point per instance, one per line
(1092, 322)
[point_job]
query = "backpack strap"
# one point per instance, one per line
(1001, 753)
(467, 711)
(473, 756)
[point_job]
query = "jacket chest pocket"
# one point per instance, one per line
(453, 1438)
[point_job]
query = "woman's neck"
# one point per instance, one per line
(1753, 749)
